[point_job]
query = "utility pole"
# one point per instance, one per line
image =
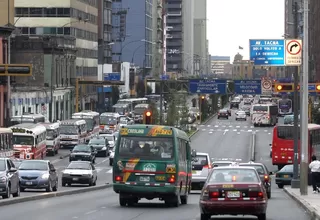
(295, 182)
(304, 143)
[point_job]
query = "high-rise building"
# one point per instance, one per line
(157, 36)
(132, 32)
(200, 36)
(179, 40)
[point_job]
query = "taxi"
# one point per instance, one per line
(233, 190)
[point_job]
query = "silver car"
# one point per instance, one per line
(241, 115)
(79, 172)
(201, 166)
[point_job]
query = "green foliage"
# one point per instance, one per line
(214, 103)
(315, 115)
(178, 110)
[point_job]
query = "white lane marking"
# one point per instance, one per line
(257, 130)
(238, 132)
(223, 126)
(98, 170)
(238, 126)
(234, 129)
(245, 126)
(105, 160)
(74, 217)
(216, 126)
(265, 130)
(242, 130)
(211, 129)
(103, 207)
(269, 133)
(230, 126)
(249, 130)
(225, 131)
(251, 126)
(208, 126)
(109, 171)
(210, 132)
(203, 129)
(93, 211)
(219, 130)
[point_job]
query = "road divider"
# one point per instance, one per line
(16, 200)
(252, 150)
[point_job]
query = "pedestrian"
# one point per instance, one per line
(315, 173)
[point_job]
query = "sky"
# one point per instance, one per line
(231, 23)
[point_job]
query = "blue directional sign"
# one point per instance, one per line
(112, 76)
(208, 86)
(165, 77)
(247, 87)
(267, 52)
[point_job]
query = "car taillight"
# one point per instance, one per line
(172, 179)
(256, 194)
(118, 178)
(214, 194)
(207, 166)
(266, 178)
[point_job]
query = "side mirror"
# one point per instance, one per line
(12, 170)
(215, 165)
(271, 173)
(270, 145)
(193, 153)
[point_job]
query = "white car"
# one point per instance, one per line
(124, 120)
(201, 167)
(79, 172)
(111, 156)
(241, 115)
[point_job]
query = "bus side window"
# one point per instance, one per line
(5, 141)
(188, 151)
(1, 142)
(182, 150)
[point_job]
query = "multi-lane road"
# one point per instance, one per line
(220, 138)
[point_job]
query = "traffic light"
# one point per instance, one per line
(203, 97)
(147, 117)
(284, 87)
(318, 88)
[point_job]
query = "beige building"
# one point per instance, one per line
(6, 16)
(64, 17)
(157, 37)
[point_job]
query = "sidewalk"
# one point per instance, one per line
(311, 202)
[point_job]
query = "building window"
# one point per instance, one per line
(66, 30)
(24, 30)
(36, 12)
(50, 12)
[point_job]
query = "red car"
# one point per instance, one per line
(233, 190)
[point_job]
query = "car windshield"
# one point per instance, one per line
(233, 175)
(33, 165)
(69, 129)
(2, 165)
(221, 164)
(287, 169)
(17, 163)
(200, 160)
(241, 113)
(97, 141)
(260, 108)
(108, 120)
(258, 167)
(22, 140)
(81, 148)
(223, 111)
(79, 166)
(109, 137)
(148, 148)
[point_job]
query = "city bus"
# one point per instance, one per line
(282, 144)
(6, 146)
(92, 120)
(284, 107)
(139, 111)
(264, 114)
(29, 141)
(152, 161)
(109, 122)
(53, 137)
(27, 118)
(132, 102)
(73, 132)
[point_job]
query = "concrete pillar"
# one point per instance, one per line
(54, 108)
(65, 96)
(59, 107)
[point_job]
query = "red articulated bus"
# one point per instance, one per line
(282, 144)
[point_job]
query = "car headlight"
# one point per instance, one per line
(104, 148)
(3, 179)
(45, 176)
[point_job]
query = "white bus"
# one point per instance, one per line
(53, 137)
(132, 103)
(29, 141)
(264, 114)
(109, 122)
(92, 120)
(27, 118)
(73, 132)
(139, 111)
(284, 107)
(6, 146)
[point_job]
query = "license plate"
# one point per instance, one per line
(28, 183)
(144, 178)
(285, 176)
(75, 179)
(233, 194)
(194, 171)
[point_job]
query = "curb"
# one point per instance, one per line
(205, 122)
(52, 195)
(312, 212)
(253, 147)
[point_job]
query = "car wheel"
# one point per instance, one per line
(280, 186)
(91, 182)
(22, 189)
(63, 183)
(173, 201)
(17, 194)
(49, 189)
(205, 217)
(262, 216)
(95, 182)
(8, 193)
(110, 162)
(122, 200)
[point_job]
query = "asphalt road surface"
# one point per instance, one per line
(220, 138)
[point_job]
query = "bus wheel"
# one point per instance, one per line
(122, 200)
(184, 199)
(173, 201)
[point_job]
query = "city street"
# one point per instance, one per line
(221, 138)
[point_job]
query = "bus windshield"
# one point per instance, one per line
(139, 111)
(260, 108)
(50, 134)
(108, 120)
(22, 140)
(146, 148)
(90, 123)
(284, 104)
(285, 132)
(69, 129)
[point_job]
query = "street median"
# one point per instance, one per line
(16, 200)
(252, 150)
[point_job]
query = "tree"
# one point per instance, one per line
(172, 113)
